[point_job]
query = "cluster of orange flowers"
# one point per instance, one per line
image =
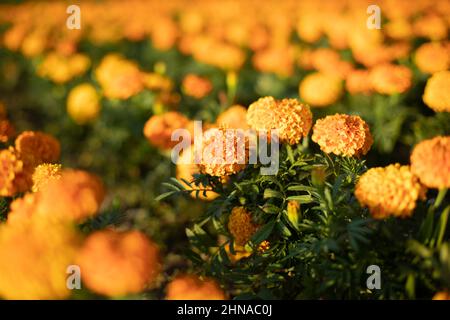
(394, 190)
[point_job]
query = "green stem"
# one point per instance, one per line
(439, 198)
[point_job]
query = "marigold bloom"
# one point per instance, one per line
(291, 118)
(390, 79)
(343, 134)
(278, 60)
(14, 176)
(43, 174)
(234, 117)
(157, 82)
(83, 103)
(223, 152)
(186, 168)
(61, 69)
(37, 147)
(437, 93)
(431, 26)
(118, 263)
(34, 256)
(190, 287)
(159, 128)
(442, 295)
(239, 252)
(389, 191)
(358, 81)
(7, 130)
(22, 208)
(196, 86)
(241, 226)
(328, 61)
(119, 78)
(320, 90)
(432, 57)
(79, 195)
(430, 161)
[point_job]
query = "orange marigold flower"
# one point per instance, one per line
(291, 118)
(234, 117)
(442, 295)
(43, 174)
(159, 128)
(343, 134)
(390, 79)
(389, 191)
(241, 226)
(430, 161)
(358, 81)
(320, 90)
(79, 195)
(327, 60)
(437, 93)
(186, 168)
(34, 256)
(37, 147)
(431, 26)
(196, 86)
(83, 103)
(432, 57)
(22, 208)
(118, 263)
(223, 152)
(190, 287)
(7, 130)
(14, 177)
(118, 77)
(157, 82)
(278, 60)
(61, 69)
(239, 252)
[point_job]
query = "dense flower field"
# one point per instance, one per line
(323, 150)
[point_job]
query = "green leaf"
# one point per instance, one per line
(263, 233)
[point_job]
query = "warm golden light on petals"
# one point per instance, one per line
(191, 287)
(118, 263)
(291, 118)
(320, 90)
(437, 92)
(343, 134)
(430, 161)
(389, 191)
(43, 174)
(159, 128)
(390, 79)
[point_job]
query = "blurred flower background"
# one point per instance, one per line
(86, 118)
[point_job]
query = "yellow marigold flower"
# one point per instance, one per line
(22, 208)
(14, 176)
(83, 103)
(264, 246)
(190, 287)
(399, 29)
(79, 195)
(223, 152)
(343, 134)
(157, 82)
(430, 161)
(241, 226)
(196, 86)
(358, 81)
(432, 57)
(159, 128)
(34, 44)
(442, 295)
(291, 118)
(390, 79)
(234, 117)
(118, 263)
(186, 168)
(437, 93)
(60, 68)
(7, 130)
(34, 256)
(118, 77)
(431, 26)
(43, 174)
(37, 147)
(389, 191)
(320, 90)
